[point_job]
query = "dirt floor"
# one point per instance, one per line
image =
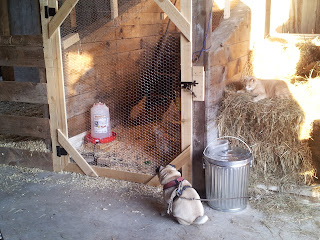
(36, 204)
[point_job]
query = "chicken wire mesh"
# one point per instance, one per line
(132, 64)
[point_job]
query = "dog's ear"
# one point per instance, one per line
(174, 166)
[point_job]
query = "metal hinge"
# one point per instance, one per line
(49, 12)
(61, 151)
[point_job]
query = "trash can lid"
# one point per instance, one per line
(231, 157)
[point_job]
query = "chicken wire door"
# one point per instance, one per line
(126, 54)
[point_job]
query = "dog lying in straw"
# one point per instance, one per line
(179, 195)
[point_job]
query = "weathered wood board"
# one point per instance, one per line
(24, 56)
(24, 17)
(23, 92)
(21, 40)
(26, 158)
(111, 173)
(24, 126)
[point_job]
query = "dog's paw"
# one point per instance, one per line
(201, 220)
(183, 222)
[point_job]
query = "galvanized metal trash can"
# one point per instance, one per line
(227, 171)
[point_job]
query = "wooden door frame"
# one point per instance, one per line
(56, 95)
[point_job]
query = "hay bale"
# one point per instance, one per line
(271, 127)
(309, 62)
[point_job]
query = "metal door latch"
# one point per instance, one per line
(188, 86)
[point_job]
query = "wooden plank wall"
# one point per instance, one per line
(24, 19)
(23, 92)
(295, 16)
(24, 126)
(21, 49)
(26, 158)
(93, 67)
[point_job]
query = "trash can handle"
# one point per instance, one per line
(239, 139)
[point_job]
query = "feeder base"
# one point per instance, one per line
(101, 140)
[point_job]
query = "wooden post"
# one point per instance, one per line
(186, 96)
(55, 86)
(73, 18)
(267, 21)
(71, 22)
(114, 9)
(7, 72)
(4, 18)
(317, 22)
(226, 13)
(201, 23)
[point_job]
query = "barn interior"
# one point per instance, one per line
(128, 57)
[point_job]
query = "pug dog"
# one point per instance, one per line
(182, 200)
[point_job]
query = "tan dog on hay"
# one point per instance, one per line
(177, 193)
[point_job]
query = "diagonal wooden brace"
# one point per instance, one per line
(176, 17)
(61, 15)
(82, 163)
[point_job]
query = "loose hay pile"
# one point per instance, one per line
(21, 142)
(309, 62)
(21, 109)
(15, 177)
(271, 127)
(272, 203)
